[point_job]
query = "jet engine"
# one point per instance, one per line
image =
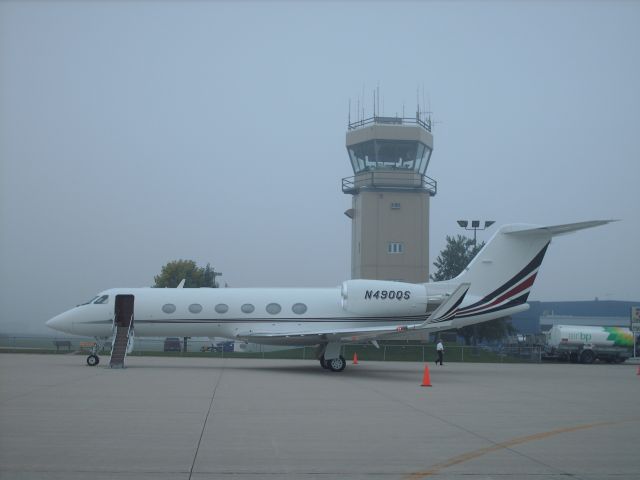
(380, 297)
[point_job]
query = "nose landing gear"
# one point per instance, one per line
(93, 359)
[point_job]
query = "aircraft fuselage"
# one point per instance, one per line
(231, 312)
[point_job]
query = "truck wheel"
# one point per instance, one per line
(587, 356)
(93, 360)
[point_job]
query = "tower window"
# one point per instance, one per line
(395, 247)
(395, 205)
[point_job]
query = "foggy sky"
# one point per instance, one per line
(135, 133)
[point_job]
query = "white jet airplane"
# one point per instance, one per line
(495, 284)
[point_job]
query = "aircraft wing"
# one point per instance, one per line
(314, 337)
(436, 321)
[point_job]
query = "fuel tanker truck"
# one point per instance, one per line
(586, 344)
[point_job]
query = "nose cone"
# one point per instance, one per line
(61, 323)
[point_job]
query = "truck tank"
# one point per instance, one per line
(586, 343)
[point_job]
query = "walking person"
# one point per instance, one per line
(440, 351)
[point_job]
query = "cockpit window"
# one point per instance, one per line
(103, 299)
(90, 301)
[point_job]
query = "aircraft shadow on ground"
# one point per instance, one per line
(395, 372)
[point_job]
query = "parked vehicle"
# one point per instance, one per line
(172, 344)
(586, 344)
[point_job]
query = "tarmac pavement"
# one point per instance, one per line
(198, 418)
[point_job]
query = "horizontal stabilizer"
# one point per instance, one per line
(555, 229)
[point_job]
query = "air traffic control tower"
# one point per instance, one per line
(391, 192)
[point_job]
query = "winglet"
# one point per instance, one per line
(447, 309)
(181, 284)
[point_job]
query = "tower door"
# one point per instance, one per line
(124, 311)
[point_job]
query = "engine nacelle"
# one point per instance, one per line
(380, 297)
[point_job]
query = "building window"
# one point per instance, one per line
(395, 205)
(247, 308)
(195, 308)
(168, 308)
(273, 308)
(299, 308)
(222, 308)
(395, 247)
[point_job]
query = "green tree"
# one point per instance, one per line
(457, 254)
(459, 251)
(177, 270)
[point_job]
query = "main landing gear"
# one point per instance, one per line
(329, 356)
(335, 364)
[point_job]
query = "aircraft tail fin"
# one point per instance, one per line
(503, 272)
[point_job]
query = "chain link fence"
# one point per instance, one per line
(203, 348)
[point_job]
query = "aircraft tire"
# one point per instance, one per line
(337, 364)
(93, 360)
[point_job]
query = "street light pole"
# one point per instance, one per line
(475, 226)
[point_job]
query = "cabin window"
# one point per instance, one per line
(103, 299)
(222, 308)
(195, 308)
(273, 308)
(247, 308)
(299, 308)
(168, 308)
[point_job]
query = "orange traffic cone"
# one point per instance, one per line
(638, 372)
(426, 379)
(355, 358)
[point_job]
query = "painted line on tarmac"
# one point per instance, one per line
(206, 418)
(465, 457)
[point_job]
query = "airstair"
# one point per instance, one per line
(122, 331)
(119, 347)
